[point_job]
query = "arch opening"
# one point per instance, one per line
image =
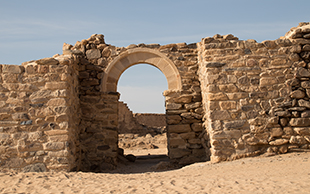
(136, 56)
(146, 140)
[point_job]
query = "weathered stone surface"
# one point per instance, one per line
(219, 115)
(217, 96)
(302, 130)
(15, 69)
(53, 146)
(47, 61)
(297, 94)
(278, 142)
(300, 122)
(234, 124)
(178, 153)
(57, 102)
(93, 54)
(38, 167)
(302, 72)
(298, 140)
(183, 128)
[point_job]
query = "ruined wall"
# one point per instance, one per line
(139, 123)
(255, 95)
(227, 99)
(39, 112)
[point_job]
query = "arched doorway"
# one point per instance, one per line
(136, 56)
(133, 57)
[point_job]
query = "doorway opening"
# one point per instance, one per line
(141, 117)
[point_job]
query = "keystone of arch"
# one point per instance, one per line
(140, 55)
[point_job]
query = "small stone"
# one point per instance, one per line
(278, 142)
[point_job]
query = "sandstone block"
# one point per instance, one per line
(175, 142)
(197, 127)
(175, 153)
(93, 54)
(56, 85)
(229, 88)
(300, 122)
(16, 69)
(302, 130)
(184, 99)
(305, 84)
(278, 142)
(189, 135)
(57, 102)
(304, 103)
(237, 95)
(302, 72)
(276, 132)
(56, 132)
(192, 105)
(20, 117)
(53, 146)
(234, 124)
(173, 106)
(61, 118)
(228, 105)
(298, 140)
(297, 94)
(173, 119)
(184, 128)
(59, 138)
(217, 96)
(219, 115)
(267, 81)
(47, 61)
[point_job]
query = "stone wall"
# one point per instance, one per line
(39, 113)
(227, 99)
(255, 95)
(138, 123)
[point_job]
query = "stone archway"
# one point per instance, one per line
(140, 55)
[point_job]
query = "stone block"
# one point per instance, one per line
(182, 128)
(234, 124)
(219, 115)
(276, 132)
(298, 140)
(228, 105)
(54, 146)
(184, 99)
(197, 127)
(47, 61)
(297, 94)
(267, 81)
(302, 73)
(56, 85)
(175, 142)
(217, 96)
(279, 142)
(57, 102)
(56, 132)
(15, 69)
(175, 153)
(300, 122)
(228, 88)
(237, 95)
(173, 119)
(304, 103)
(93, 54)
(302, 130)
(173, 106)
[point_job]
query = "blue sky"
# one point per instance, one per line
(35, 29)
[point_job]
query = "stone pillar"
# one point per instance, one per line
(184, 128)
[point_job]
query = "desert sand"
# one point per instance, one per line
(288, 173)
(151, 173)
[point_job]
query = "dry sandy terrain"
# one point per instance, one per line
(289, 173)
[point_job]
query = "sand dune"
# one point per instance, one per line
(289, 173)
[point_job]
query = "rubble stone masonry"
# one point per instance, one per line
(226, 99)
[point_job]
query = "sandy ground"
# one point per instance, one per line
(288, 173)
